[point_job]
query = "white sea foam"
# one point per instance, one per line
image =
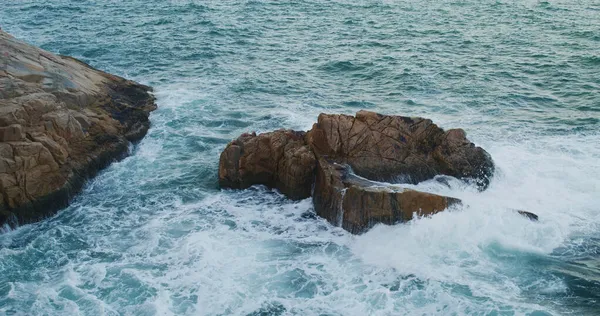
(238, 252)
(153, 236)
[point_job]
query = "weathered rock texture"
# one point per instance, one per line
(397, 148)
(356, 204)
(341, 154)
(60, 122)
(529, 215)
(279, 159)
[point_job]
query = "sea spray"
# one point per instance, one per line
(152, 235)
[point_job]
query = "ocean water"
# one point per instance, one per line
(153, 234)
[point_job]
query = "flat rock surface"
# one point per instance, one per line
(60, 122)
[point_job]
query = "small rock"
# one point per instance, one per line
(529, 215)
(279, 159)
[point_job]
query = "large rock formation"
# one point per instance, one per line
(397, 148)
(60, 122)
(341, 154)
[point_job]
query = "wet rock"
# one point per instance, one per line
(357, 204)
(60, 122)
(529, 215)
(342, 155)
(279, 159)
(398, 148)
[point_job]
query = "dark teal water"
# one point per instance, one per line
(152, 235)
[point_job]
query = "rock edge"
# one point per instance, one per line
(61, 121)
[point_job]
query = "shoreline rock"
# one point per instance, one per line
(340, 156)
(61, 121)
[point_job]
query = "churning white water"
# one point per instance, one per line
(153, 234)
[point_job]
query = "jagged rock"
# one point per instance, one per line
(532, 217)
(279, 159)
(344, 153)
(398, 148)
(60, 122)
(357, 204)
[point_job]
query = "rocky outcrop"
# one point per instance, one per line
(60, 122)
(340, 156)
(398, 148)
(279, 159)
(532, 217)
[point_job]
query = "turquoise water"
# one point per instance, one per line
(153, 235)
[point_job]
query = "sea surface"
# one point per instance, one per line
(154, 235)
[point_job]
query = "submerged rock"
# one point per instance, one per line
(60, 122)
(340, 156)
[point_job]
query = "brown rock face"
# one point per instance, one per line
(357, 204)
(341, 153)
(279, 159)
(365, 207)
(60, 122)
(397, 148)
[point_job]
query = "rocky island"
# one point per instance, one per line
(61, 121)
(338, 160)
